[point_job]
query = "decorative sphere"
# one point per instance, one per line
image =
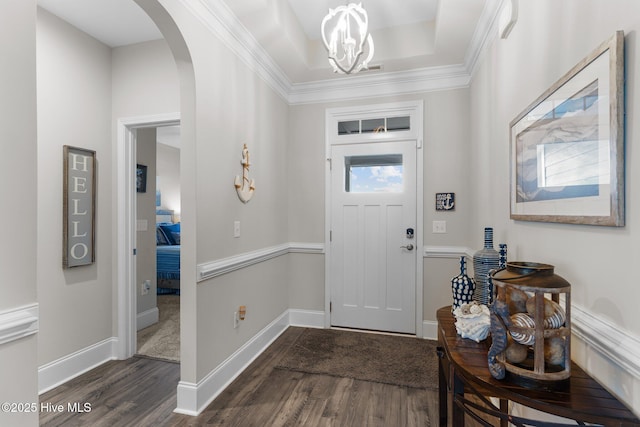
(515, 352)
(554, 350)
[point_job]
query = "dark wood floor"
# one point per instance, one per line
(142, 392)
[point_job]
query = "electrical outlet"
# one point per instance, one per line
(236, 229)
(144, 287)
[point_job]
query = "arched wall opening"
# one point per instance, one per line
(125, 198)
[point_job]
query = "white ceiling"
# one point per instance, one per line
(382, 14)
(420, 35)
(168, 135)
(113, 22)
(408, 34)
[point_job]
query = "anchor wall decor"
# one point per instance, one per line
(245, 187)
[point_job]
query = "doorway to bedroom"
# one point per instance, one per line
(158, 242)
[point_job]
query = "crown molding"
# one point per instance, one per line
(222, 22)
(382, 84)
(485, 33)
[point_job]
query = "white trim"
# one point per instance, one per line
(58, 372)
(416, 133)
(430, 330)
(447, 252)
(222, 22)
(306, 318)
(418, 126)
(378, 85)
(194, 398)
(618, 346)
(211, 269)
(125, 220)
(18, 323)
(306, 248)
(147, 318)
(485, 33)
(227, 265)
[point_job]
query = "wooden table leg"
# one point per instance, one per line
(504, 408)
(443, 389)
(457, 417)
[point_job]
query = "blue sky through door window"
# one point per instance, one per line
(374, 174)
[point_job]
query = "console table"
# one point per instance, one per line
(463, 369)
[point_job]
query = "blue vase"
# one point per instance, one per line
(485, 260)
(462, 286)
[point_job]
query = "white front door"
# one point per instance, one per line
(373, 219)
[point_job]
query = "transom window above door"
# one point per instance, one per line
(374, 125)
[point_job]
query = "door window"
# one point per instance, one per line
(374, 174)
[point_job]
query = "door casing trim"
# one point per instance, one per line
(415, 109)
(126, 225)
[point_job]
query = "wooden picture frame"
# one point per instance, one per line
(567, 147)
(141, 178)
(79, 202)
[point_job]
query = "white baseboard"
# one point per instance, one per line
(430, 330)
(147, 318)
(306, 318)
(194, 398)
(68, 367)
(620, 348)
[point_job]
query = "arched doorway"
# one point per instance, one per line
(125, 195)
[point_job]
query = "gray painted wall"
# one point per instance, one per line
(549, 38)
(146, 211)
(471, 124)
(74, 108)
(168, 172)
(446, 143)
(18, 190)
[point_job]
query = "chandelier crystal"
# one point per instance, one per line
(345, 33)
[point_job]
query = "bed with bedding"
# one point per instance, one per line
(167, 254)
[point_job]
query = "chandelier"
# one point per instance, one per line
(345, 33)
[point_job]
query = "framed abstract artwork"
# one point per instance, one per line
(141, 178)
(567, 147)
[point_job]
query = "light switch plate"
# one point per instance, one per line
(439, 226)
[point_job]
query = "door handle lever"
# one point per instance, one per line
(409, 247)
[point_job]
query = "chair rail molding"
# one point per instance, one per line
(616, 345)
(209, 270)
(18, 323)
(446, 251)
